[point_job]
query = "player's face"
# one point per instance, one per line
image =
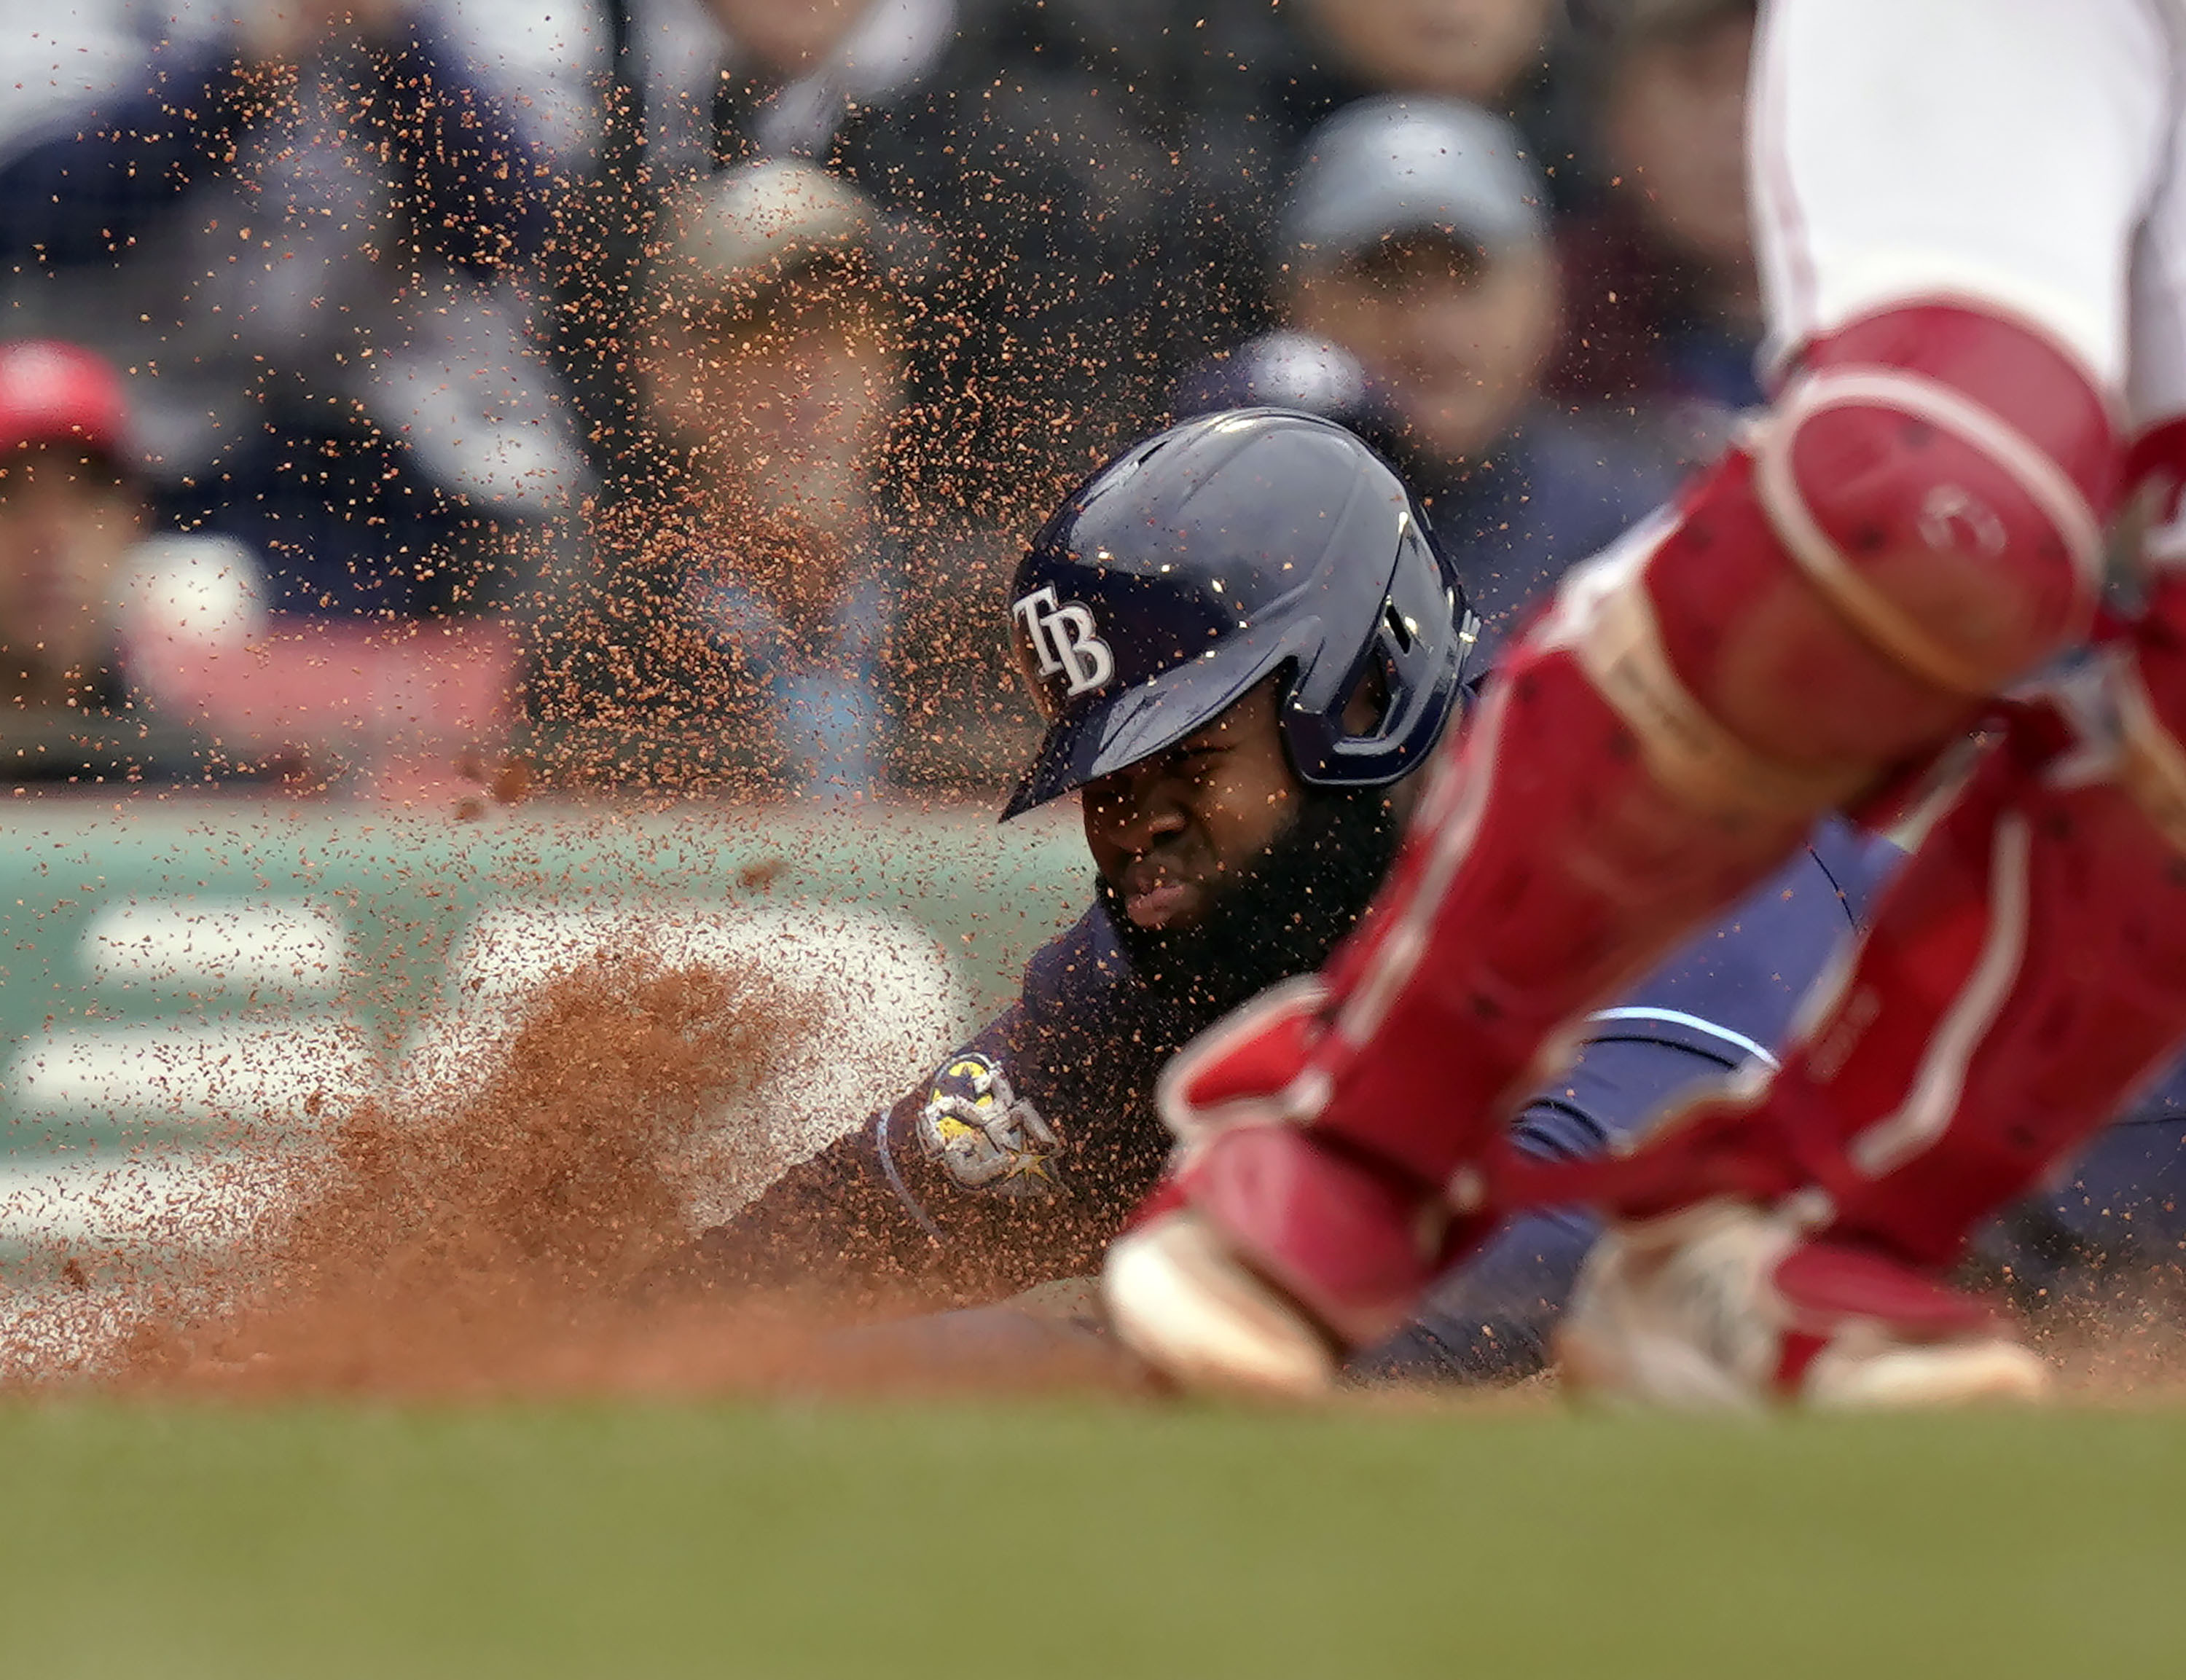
(1455, 337)
(66, 523)
(1473, 50)
(1167, 832)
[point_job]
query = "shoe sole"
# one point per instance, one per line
(1638, 1372)
(1180, 1300)
(1928, 1379)
(1620, 1346)
(1626, 1342)
(1660, 1374)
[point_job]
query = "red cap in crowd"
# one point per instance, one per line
(51, 392)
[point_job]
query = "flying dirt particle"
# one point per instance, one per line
(524, 1233)
(521, 1235)
(511, 781)
(755, 876)
(483, 1238)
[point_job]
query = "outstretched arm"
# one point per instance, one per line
(960, 1189)
(1010, 1166)
(833, 1219)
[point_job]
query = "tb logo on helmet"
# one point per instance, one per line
(1062, 637)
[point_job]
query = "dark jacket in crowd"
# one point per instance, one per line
(300, 281)
(1103, 178)
(1640, 331)
(1553, 492)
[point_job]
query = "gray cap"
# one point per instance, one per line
(1402, 164)
(759, 221)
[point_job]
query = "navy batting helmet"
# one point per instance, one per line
(1207, 559)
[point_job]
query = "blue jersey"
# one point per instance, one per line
(2121, 1210)
(1086, 1039)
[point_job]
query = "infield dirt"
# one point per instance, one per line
(528, 1229)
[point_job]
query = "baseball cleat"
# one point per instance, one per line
(1181, 1300)
(1267, 1258)
(1726, 1308)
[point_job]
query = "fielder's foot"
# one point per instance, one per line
(1726, 1308)
(1178, 1298)
(1267, 1260)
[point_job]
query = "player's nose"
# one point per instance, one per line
(1133, 809)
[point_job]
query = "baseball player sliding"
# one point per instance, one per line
(1247, 649)
(1973, 238)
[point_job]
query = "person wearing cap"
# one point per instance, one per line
(1245, 643)
(1044, 141)
(291, 222)
(71, 512)
(746, 579)
(1417, 286)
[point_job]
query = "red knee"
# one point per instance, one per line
(1944, 476)
(1918, 522)
(2147, 681)
(2158, 644)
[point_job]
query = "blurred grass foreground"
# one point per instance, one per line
(1075, 1540)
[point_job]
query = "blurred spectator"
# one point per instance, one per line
(1257, 79)
(1045, 141)
(1468, 49)
(747, 584)
(1417, 278)
(71, 513)
(1664, 310)
(1102, 169)
(292, 223)
(1511, 58)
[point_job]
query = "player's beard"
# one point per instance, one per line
(1280, 915)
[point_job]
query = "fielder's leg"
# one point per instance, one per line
(2028, 967)
(1918, 524)
(2021, 977)
(1915, 525)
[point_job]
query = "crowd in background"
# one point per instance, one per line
(693, 369)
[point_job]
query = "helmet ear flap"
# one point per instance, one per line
(1418, 648)
(1324, 750)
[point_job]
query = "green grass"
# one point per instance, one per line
(1081, 1540)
